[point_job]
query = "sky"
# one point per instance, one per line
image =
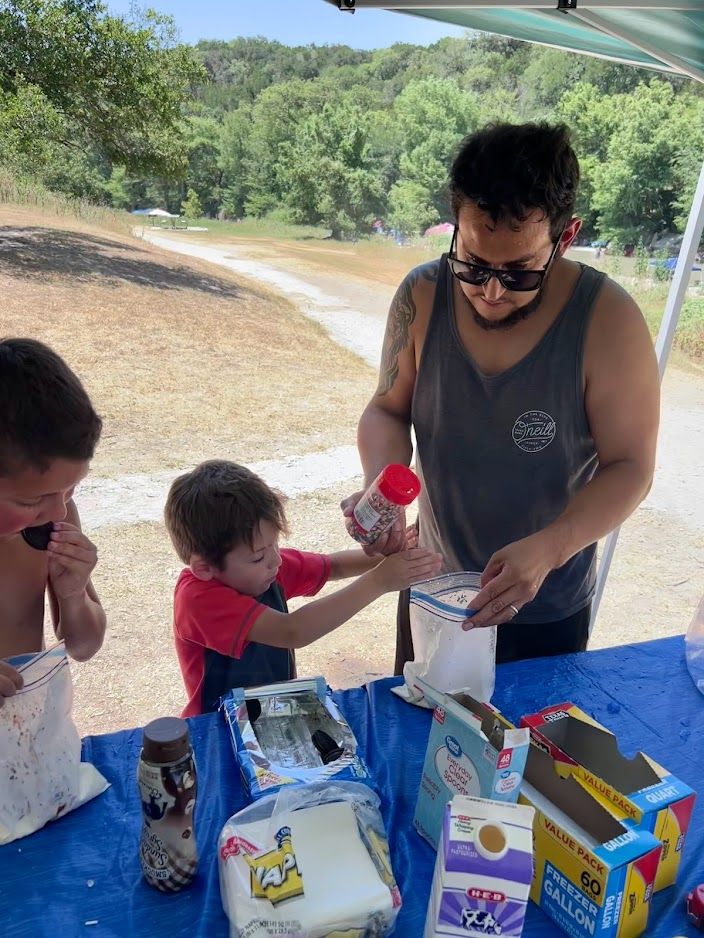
(292, 22)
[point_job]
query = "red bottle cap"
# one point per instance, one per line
(399, 484)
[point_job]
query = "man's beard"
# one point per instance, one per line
(518, 315)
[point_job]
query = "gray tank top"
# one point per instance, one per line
(500, 456)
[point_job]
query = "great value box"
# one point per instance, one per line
(472, 750)
(637, 791)
(593, 875)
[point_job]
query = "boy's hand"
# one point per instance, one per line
(10, 681)
(399, 571)
(72, 558)
(390, 542)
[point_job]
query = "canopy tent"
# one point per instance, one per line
(160, 213)
(667, 35)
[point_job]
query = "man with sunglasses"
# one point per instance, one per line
(532, 387)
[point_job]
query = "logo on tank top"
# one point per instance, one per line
(533, 431)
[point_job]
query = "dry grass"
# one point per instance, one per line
(381, 262)
(35, 198)
(183, 362)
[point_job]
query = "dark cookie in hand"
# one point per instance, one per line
(39, 537)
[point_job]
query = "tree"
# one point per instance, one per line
(409, 208)
(432, 117)
(191, 206)
(202, 142)
(274, 117)
(634, 188)
(687, 163)
(233, 141)
(116, 85)
(325, 173)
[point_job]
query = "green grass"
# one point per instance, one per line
(260, 228)
(651, 297)
(690, 329)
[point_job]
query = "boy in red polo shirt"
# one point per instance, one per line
(232, 626)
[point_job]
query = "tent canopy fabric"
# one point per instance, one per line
(664, 34)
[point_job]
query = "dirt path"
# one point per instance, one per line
(140, 497)
(657, 576)
(352, 312)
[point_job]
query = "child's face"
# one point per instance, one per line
(252, 570)
(30, 497)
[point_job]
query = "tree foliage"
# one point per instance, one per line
(117, 110)
(94, 80)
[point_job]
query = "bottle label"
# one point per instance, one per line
(365, 516)
(167, 852)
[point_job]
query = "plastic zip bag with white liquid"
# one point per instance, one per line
(446, 657)
(42, 776)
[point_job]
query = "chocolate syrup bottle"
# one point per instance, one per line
(166, 774)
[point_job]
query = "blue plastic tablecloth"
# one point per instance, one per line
(80, 875)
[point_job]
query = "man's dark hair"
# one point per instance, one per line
(218, 506)
(45, 412)
(509, 170)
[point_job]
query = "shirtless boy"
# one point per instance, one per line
(48, 432)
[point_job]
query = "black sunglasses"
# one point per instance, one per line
(518, 281)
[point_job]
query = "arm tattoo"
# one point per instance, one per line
(401, 316)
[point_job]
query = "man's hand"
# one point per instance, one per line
(401, 570)
(390, 542)
(511, 579)
(72, 558)
(10, 681)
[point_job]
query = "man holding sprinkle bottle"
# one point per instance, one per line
(531, 384)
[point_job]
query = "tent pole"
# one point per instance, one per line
(663, 344)
(680, 281)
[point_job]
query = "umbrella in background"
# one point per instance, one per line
(442, 229)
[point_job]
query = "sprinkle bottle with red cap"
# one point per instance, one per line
(394, 488)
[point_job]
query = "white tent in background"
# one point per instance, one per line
(159, 213)
(665, 35)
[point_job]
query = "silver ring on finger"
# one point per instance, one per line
(513, 609)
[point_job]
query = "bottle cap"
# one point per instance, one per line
(165, 740)
(399, 484)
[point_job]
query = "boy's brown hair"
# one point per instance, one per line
(216, 507)
(45, 412)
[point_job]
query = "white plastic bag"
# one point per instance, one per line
(308, 862)
(694, 647)
(41, 775)
(447, 657)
